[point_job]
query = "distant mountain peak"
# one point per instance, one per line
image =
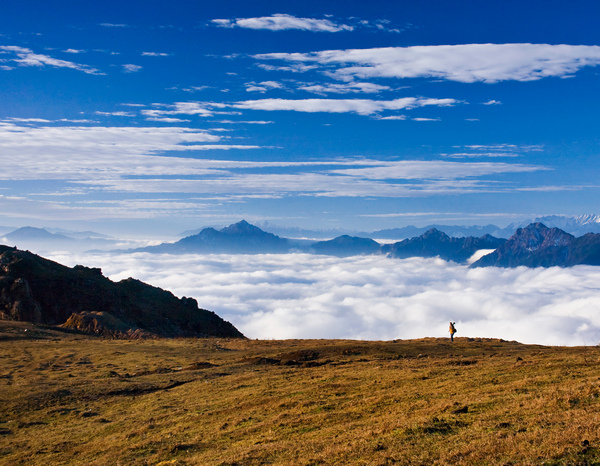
(435, 243)
(537, 235)
(243, 227)
(434, 233)
(33, 233)
(536, 245)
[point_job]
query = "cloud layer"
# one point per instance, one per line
(303, 296)
(466, 63)
(132, 159)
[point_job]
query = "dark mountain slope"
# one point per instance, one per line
(434, 243)
(38, 290)
(539, 246)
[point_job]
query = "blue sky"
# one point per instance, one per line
(156, 117)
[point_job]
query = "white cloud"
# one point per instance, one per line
(426, 119)
(146, 160)
(359, 106)
(77, 152)
(464, 63)
(440, 170)
(345, 88)
(29, 120)
(294, 68)
(493, 150)
(372, 297)
(129, 68)
(167, 119)
(492, 102)
(247, 122)
(282, 22)
(394, 117)
(263, 86)
(352, 179)
(122, 114)
(154, 54)
(204, 109)
(73, 51)
(26, 57)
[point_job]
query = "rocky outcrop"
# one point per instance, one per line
(104, 324)
(41, 291)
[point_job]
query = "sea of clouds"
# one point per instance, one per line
(372, 297)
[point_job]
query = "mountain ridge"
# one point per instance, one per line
(539, 246)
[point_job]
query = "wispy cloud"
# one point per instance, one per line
(167, 119)
(120, 114)
(67, 152)
(359, 106)
(247, 122)
(114, 25)
(204, 109)
(282, 22)
(466, 63)
(345, 88)
(493, 150)
(155, 54)
(263, 86)
(131, 159)
(22, 56)
(129, 68)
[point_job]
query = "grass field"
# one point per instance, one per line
(73, 399)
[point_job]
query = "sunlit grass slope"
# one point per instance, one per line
(72, 399)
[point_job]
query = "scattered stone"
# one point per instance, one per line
(461, 410)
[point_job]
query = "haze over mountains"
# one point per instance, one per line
(556, 246)
(575, 225)
(535, 246)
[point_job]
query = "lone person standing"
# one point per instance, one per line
(452, 330)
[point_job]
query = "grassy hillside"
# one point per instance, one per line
(70, 399)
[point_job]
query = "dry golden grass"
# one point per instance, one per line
(69, 399)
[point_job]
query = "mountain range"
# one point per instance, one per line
(539, 246)
(245, 238)
(37, 290)
(535, 245)
(575, 225)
